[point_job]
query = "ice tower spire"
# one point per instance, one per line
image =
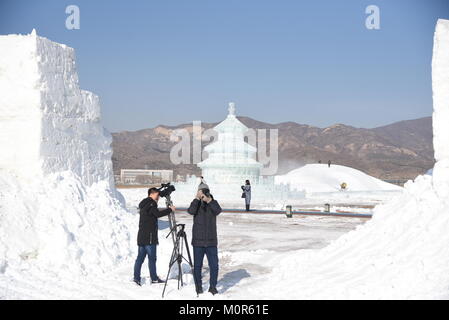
(231, 109)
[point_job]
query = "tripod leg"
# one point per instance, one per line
(179, 274)
(172, 261)
(180, 250)
(180, 262)
(188, 252)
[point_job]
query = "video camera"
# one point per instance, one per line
(206, 192)
(166, 189)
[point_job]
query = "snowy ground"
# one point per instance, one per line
(339, 200)
(249, 249)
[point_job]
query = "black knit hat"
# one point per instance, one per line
(153, 190)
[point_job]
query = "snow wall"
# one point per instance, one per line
(403, 251)
(440, 119)
(58, 204)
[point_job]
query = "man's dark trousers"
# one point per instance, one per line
(149, 250)
(212, 259)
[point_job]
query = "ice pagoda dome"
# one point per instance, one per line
(231, 123)
(231, 136)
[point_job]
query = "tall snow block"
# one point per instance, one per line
(440, 86)
(47, 123)
(58, 205)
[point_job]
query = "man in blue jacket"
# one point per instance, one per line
(147, 237)
(205, 210)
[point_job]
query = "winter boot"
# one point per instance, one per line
(137, 282)
(247, 207)
(213, 290)
(199, 289)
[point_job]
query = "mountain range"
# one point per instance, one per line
(401, 150)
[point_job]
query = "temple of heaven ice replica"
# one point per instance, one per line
(230, 161)
(230, 157)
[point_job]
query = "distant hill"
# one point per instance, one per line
(400, 150)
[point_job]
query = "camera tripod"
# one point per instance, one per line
(177, 254)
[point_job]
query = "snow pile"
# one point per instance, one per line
(321, 178)
(403, 251)
(58, 205)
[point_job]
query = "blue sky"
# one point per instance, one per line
(314, 62)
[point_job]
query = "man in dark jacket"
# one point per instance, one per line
(147, 238)
(204, 237)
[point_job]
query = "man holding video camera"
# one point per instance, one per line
(147, 237)
(205, 210)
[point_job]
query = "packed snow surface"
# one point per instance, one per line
(322, 178)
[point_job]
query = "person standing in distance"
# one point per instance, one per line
(247, 192)
(147, 237)
(205, 210)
